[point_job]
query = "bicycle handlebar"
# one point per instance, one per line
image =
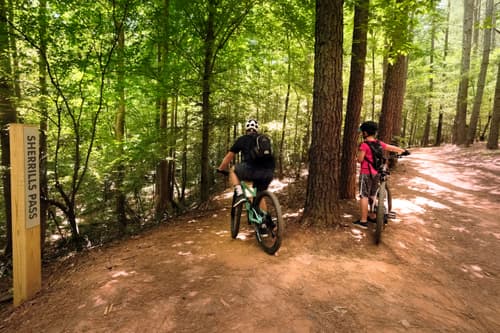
(395, 155)
(224, 172)
(405, 153)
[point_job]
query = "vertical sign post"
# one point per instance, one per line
(25, 197)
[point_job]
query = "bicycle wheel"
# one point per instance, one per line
(382, 210)
(235, 218)
(388, 199)
(270, 233)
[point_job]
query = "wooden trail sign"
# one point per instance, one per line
(25, 197)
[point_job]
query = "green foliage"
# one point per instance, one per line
(250, 80)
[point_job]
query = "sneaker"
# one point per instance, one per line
(238, 200)
(359, 224)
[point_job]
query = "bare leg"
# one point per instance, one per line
(363, 206)
(233, 178)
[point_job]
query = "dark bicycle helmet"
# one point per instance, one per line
(370, 127)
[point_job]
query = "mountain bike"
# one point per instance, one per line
(381, 205)
(263, 213)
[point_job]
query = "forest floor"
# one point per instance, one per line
(436, 270)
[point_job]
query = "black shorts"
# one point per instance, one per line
(261, 178)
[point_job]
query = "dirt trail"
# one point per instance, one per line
(437, 268)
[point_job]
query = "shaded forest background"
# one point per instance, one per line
(137, 102)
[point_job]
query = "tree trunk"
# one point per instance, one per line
(44, 117)
(354, 101)
(171, 152)
(399, 102)
(162, 170)
(296, 141)
(476, 26)
(392, 101)
(476, 108)
(8, 115)
(15, 54)
(428, 120)
(321, 207)
(285, 113)
(495, 117)
(185, 145)
(120, 127)
(209, 42)
(459, 131)
(439, 132)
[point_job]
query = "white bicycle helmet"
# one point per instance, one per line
(252, 124)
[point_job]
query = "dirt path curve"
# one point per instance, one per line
(437, 268)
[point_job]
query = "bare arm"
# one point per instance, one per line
(361, 155)
(395, 149)
(225, 162)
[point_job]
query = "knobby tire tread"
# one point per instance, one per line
(277, 219)
(235, 219)
(381, 197)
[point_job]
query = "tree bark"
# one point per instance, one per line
(44, 118)
(439, 132)
(495, 118)
(460, 127)
(8, 115)
(162, 169)
(209, 43)
(354, 101)
(120, 127)
(324, 153)
(428, 119)
(392, 101)
(476, 107)
(285, 113)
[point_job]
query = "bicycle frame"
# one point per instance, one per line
(249, 193)
(269, 224)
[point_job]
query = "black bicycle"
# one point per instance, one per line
(263, 213)
(381, 205)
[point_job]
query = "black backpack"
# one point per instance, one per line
(262, 148)
(377, 154)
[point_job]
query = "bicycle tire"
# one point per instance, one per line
(270, 237)
(235, 218)
(382, 210)
(388, 198)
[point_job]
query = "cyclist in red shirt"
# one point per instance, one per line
(368, 175)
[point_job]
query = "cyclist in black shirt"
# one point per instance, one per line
(260, 172)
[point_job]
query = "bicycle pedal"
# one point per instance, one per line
(391, 215)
